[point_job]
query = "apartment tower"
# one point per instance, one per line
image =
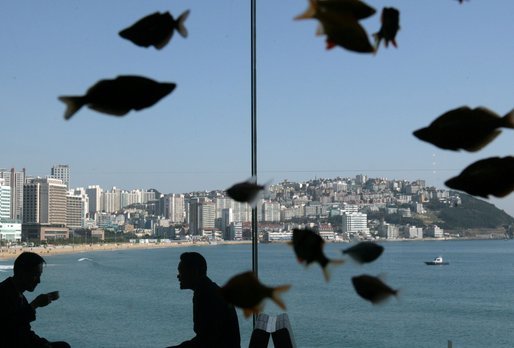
(15, 180)
(62, 172)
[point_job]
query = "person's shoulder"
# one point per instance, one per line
(208, 287)
(6, 283)
(6, 289)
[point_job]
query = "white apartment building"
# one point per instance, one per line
(292, 212)
(174, 207)
(414, 232)
(235, 231)
(111, 200)
(130, 197)
(434, 231)
(15, 180)
(61, 172)
(202, 215)
(241, 212)
(94, 193)
(270, 211)
(77, 208)
(388, 231)
(354, 222)
(44, 201)
(5, 201)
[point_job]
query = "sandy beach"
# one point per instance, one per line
(13, 252)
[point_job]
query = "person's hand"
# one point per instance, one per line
(41, 301)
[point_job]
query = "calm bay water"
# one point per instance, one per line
(131, 298)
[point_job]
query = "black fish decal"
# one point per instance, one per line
(308, 247)
(340, 24)
(390, 25)
(246, 191)
(155, 29)
(364, 252)
(465, 128)
(372, 288)
(118, 96)
(356, 8)
(490, 176)
(347, 33)
(247, 292)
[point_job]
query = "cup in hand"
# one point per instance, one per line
(54, 295)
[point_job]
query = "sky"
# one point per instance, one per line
(320, 113)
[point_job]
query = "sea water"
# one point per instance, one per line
(131, 298)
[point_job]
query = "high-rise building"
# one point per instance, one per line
(77, 208)
(44, 201)
(226, 219)
(15, 180)
(354, 222)
(174, 207)
(361, 179)
(111, 200)
(62, 172)
(271, 211)
(94, 193)
(202, 215)
(240, 211)
(5, 201)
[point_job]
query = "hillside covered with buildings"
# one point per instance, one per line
(46, 209)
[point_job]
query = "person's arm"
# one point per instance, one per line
(41, 301)
(15, 317)
(209, 311)
(210, 318)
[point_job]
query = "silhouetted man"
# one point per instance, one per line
(215, 321)
(16, 313)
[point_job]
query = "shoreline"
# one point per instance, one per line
(13, 252)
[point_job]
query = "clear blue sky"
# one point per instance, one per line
(320, 113)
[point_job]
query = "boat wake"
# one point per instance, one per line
(84, 259)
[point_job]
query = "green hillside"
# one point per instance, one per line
(473, 213)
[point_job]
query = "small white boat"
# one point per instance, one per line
(437, 261)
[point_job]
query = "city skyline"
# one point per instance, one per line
(321, 113)
(92, 186)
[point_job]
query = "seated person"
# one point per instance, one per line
(16, 313)
(215, 321)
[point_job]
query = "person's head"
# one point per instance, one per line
(28, 268)
(191, 269)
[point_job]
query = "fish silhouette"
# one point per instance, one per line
(465, 128)
(372, 288)
(308, 247)
(247, 292)
(364, 252)
(347, 33)
(490, 176)
(118, 96)
(390, 19)
(246, 191)
(155, 29)
(341, 27)
(356, 8)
